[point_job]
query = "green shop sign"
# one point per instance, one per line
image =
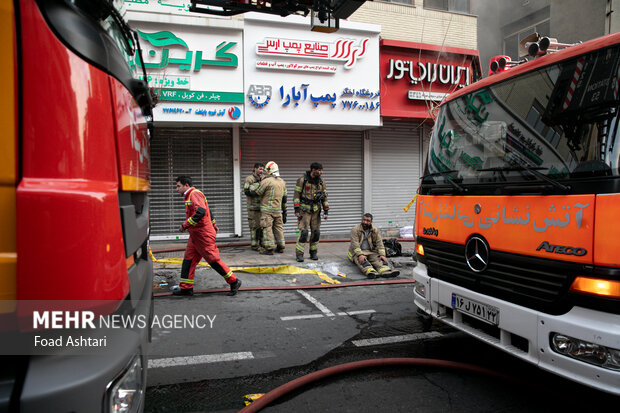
(165, 40)
(199, 96)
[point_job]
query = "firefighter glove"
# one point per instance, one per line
(284, 217)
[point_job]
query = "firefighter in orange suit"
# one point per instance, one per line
(201, 244)
(272, 193)
(367, 251)
(310, 197)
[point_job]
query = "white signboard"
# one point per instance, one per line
(296, 76)
(159, 6)
(197, 72)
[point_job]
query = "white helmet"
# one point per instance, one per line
(272, 168)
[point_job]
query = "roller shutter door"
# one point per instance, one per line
(205, 155)
(395, 159)
(340, 152)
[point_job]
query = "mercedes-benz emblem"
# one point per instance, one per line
(477, 254)
(477, 208)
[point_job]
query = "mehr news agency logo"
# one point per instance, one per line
(65, 320)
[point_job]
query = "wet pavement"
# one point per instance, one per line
(264, 337)
(332, 261)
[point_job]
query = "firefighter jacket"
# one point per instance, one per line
(310, 194)
(272, 193)
(357, 237)
(197, 213)
(251, 183)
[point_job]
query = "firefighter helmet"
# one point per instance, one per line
(272, 168)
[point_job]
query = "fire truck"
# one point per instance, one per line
(518, 241)
(74, 176)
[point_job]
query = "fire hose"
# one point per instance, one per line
(302, 381)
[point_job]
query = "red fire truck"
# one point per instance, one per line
(518, 241)
(74, 176)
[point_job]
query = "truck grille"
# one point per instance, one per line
(534, 283)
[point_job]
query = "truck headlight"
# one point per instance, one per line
(587, 352)
(419, 288)
(125, 393)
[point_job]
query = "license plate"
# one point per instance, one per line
(484, 312)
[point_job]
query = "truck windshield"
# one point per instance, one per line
(108, 16)
(550, 126)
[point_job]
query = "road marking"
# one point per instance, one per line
(357, 312)
(301, 317)
(396, 339)
(318, 305)
(203, 359)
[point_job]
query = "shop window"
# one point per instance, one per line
(460, 6)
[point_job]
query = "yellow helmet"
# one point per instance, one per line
(272, 168)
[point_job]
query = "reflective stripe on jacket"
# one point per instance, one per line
(357, 237)
(305, 192)
(272, 193)
(251, 184)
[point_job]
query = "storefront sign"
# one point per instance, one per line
(191, 68)
(416, 77)
(305, 77)
(160, 6)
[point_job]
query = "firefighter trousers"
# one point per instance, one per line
(255, 229)
(311, 220)
(273, 230)
(201, 245)
(372, 264)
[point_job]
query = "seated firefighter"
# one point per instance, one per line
(367, 251)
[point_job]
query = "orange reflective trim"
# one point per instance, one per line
(605, 288)
(133, 183)
(130, 261)
(8, 161)
(8, 147)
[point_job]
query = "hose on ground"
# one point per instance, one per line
(286, 388)
(247, 243)
(296, 287)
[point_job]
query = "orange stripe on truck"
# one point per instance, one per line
(553, 227)
(8, 161)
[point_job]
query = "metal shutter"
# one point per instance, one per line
(340, 152)
(395, 159)
(205, 155)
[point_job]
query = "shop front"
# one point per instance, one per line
(311, 97)
(196, 70)
(414, 79)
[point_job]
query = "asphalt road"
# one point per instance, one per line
(259, 340)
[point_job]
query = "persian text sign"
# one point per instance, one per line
(304, 77)
(346, 50)
(185, 63)
(415, 77)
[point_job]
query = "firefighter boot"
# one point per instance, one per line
(234, 287)
(300, 257)
(176, 290)
(313, 255)
(280, 249)
(391, 274)
(372, 274)
(266, 252)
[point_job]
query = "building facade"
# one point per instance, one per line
(502, 25)
(238, 91)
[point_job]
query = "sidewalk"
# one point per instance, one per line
(332, 260)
